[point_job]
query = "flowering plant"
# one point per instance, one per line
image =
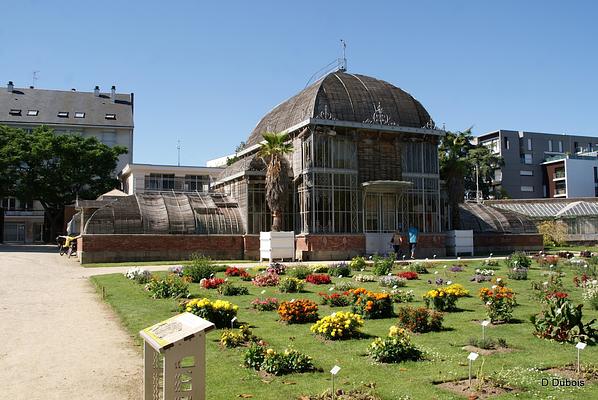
(578, 281)
(371, 305)
(176, 269)
(344, 286)
(499, 301)
(318, 279)
(340, 325)
(590, 293)
(268, 304)
(290, 285)
(211, 283)
(518, 260)
(235, 271)
(365, 278)
(138, 274)
(409, 275)
(358, 263)
(228, 289)
(219, 312)
(298, 311)
(339, 269)
(401, 296)
(420, 319)
(169, 286)
(546, 261)
(276, 268)
(268, 360)
(518, 274)
(392, 281)
(456, 268)
(396, 347)
(335, 299)
(266, 279)
(235, 338)
(445, 298)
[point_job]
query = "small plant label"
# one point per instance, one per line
(292, 300)
(395, 286)
(331, 289)
(263, 291)
(232, 322)
(485, 323)
(335, 370)
(581, 345)
(473, 356)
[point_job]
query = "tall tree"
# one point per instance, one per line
(9, 159)
(459, 158)
(56, 169)
(277, 174)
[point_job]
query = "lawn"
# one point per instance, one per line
(150, 263)
(227, 379)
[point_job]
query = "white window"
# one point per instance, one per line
(79, 114)
(507, 143)
(32, 113)
(549, 144)
(527, 159)
(110, 116)
(527, 188)
(526, 173)
(560, 146)
(497, 175)
(529, 144)
(63, 114)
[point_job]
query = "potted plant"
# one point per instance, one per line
(276, 244)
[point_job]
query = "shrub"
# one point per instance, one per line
(517, 274)
(409, 275)
(300, 271)
(219, 312)
(491, 263)
(402, 296)
(383, 266)
(499, 301)
(420, 319)
(266, 279)
(290, 285)
(176, 269)
(419, 267)
(211, 283)
(456, 268)
(267, 360)
(169, 286)
(582, 281)
(482, 275)
(445, 298)
(200, 268)
(518, 260)
(487, 343)
(371, 305)
(365, 278)
(339, 270)
(139, 275)
(228, 289)
(545, 261)
(335, 299)
(268, 304)
(235, 271)
(298, 311)
(554, 233)
(590, 294)
(562, 322)
(585, 253)
(392, 281)
(319, 269)
(340, 325)
(541, 290)
(234, 338)
(397, 347)
(318, 279)
(343, 286)
(276, 268)
(358, 263)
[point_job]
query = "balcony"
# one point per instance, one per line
(24, 213)
(558, 175)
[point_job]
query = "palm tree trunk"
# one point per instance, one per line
(276, 221)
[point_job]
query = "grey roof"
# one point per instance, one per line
(167, 213)
(483, 218)
(344, 97)
(50, 102)
(250, 163)
(550, 208)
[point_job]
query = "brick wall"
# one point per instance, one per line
(485, 243)
(251, 247)
(328, 247)
(115, 248)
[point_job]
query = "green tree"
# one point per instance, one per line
(9, 159)
(277, 174)
(486, 162)
(56, 169)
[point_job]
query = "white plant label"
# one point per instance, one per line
(232, 321)
(263, 291)
(473, 356)
(485, 323)
(581, 345)
(335, 370)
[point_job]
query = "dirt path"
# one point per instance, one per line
(57, 339)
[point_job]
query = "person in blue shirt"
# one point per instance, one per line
(412, 233)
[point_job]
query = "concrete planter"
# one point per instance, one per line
(277, 245)
(459, 242)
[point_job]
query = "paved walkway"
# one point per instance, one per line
(58, 340)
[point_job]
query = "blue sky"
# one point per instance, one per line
(205, 72)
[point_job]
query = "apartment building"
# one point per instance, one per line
(572, 176)
(148, 178)
(523, 175)
(107, 116)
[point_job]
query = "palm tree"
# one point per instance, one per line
(277, 175)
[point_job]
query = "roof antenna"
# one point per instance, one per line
(178, 149)
(342, 62)
(34, 78)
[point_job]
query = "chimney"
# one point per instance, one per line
(10, 86)
(73, 90)
(96, 91)
(113, 93)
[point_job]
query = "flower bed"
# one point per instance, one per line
(228, 289)
(267, 304)
(445, 298)
(396, 347)
(499, 301)
(336, 299)
(339, 270)
(138, 274)
(401, 296)
(219, 312)
(266, 279)
(392, 281)
(420, 319)
(268, 360)
(169, 286)
(276, 268)
(234, 338)
(409, 275)
(235, 271)
(590, 294)
(340, 325)
(371, 305)
(482, 275)
(365, 278)
(298, 311)
(211, 283)
(290, 285)
(318, 279)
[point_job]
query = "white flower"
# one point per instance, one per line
(435, 272)
(545, 283)
(498, 279)
(448, 282)
(494, 286)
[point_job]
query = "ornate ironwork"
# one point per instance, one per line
(325, 114)
(430, 124)
(379, 117)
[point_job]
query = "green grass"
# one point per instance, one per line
(593, 249)
(150, 263)
(227, 379)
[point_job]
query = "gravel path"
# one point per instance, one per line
(57, 339)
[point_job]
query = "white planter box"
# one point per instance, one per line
(459, 242)
(277, 245)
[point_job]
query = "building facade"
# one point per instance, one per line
(106, 116)
(571, 176)
(523, 175)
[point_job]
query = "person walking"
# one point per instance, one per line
(397, 243)
(413, 234)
